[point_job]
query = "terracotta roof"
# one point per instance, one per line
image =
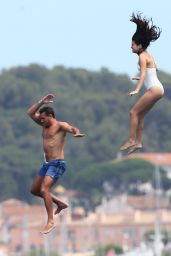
(163, 159)
(13, 202)
(147, 202)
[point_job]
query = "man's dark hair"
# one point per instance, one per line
(48, 111)
(146, 31)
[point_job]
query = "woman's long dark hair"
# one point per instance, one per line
(146, 32)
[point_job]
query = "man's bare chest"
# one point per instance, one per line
(49, 133)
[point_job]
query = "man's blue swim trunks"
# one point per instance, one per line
(54, 169)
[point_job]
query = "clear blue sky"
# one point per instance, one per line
(79, 33)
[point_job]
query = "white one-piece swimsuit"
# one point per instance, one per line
(151, 80)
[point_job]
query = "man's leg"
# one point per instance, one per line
(56, 169)
(35, 190)
(45, 193)
(36, 185)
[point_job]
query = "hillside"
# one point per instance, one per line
(96, 102)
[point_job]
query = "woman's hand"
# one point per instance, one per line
(135, 78)
(133, 93)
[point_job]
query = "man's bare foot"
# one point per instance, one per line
(134, 148)
(60, 208)
(48, 228)
(127, 145)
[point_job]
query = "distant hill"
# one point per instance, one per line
(96, 102)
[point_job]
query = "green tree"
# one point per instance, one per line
(103, 250)
(96, 102)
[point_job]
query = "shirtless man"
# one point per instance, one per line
(54, 134)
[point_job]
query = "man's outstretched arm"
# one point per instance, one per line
(32, 111)
(69, 128)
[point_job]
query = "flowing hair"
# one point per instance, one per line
(146, 31)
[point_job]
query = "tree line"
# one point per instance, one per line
(94, 101)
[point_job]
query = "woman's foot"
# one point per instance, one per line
(60, 207)
(135, 148)
(127, 145)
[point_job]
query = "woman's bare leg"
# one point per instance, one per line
(142, 107)
(140, 131)
(138, 143)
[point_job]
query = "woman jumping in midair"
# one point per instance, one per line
(145, 33)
